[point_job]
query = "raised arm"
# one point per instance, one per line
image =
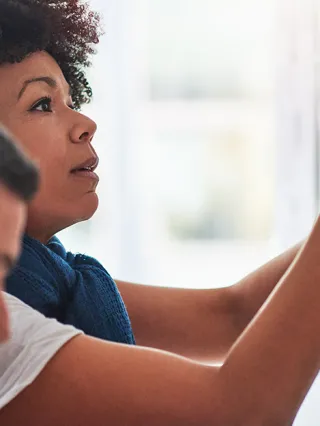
(170, 318)
(263, 381)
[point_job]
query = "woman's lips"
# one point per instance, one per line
(85, 174)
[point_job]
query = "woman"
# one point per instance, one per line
(44, 48)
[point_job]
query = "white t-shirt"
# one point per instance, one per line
(34, 340)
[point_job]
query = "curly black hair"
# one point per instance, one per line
(67, 29)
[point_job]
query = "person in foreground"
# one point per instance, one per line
(262, 329)
(52, 374)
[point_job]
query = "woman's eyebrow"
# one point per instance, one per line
(48, 80)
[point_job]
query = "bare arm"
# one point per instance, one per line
(251, 292)
(170, 318)
(287, 322)
(263, 381)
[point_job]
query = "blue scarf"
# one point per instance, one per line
(74, 289)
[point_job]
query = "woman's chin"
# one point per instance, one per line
(91, 204)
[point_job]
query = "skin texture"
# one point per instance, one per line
(58, 141)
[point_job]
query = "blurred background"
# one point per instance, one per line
(208, 138)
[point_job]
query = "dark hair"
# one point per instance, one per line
(66, 29)
(17, 172)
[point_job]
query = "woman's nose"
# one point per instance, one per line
(83, 130)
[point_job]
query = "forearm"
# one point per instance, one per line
(278, 355)
(160, 316)
(251, 292)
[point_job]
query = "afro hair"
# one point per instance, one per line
(66, 29)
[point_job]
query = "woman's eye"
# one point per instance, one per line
(44, 105)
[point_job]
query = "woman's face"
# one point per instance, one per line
(59, 139)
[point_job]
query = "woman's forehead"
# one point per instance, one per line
(39, 64)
